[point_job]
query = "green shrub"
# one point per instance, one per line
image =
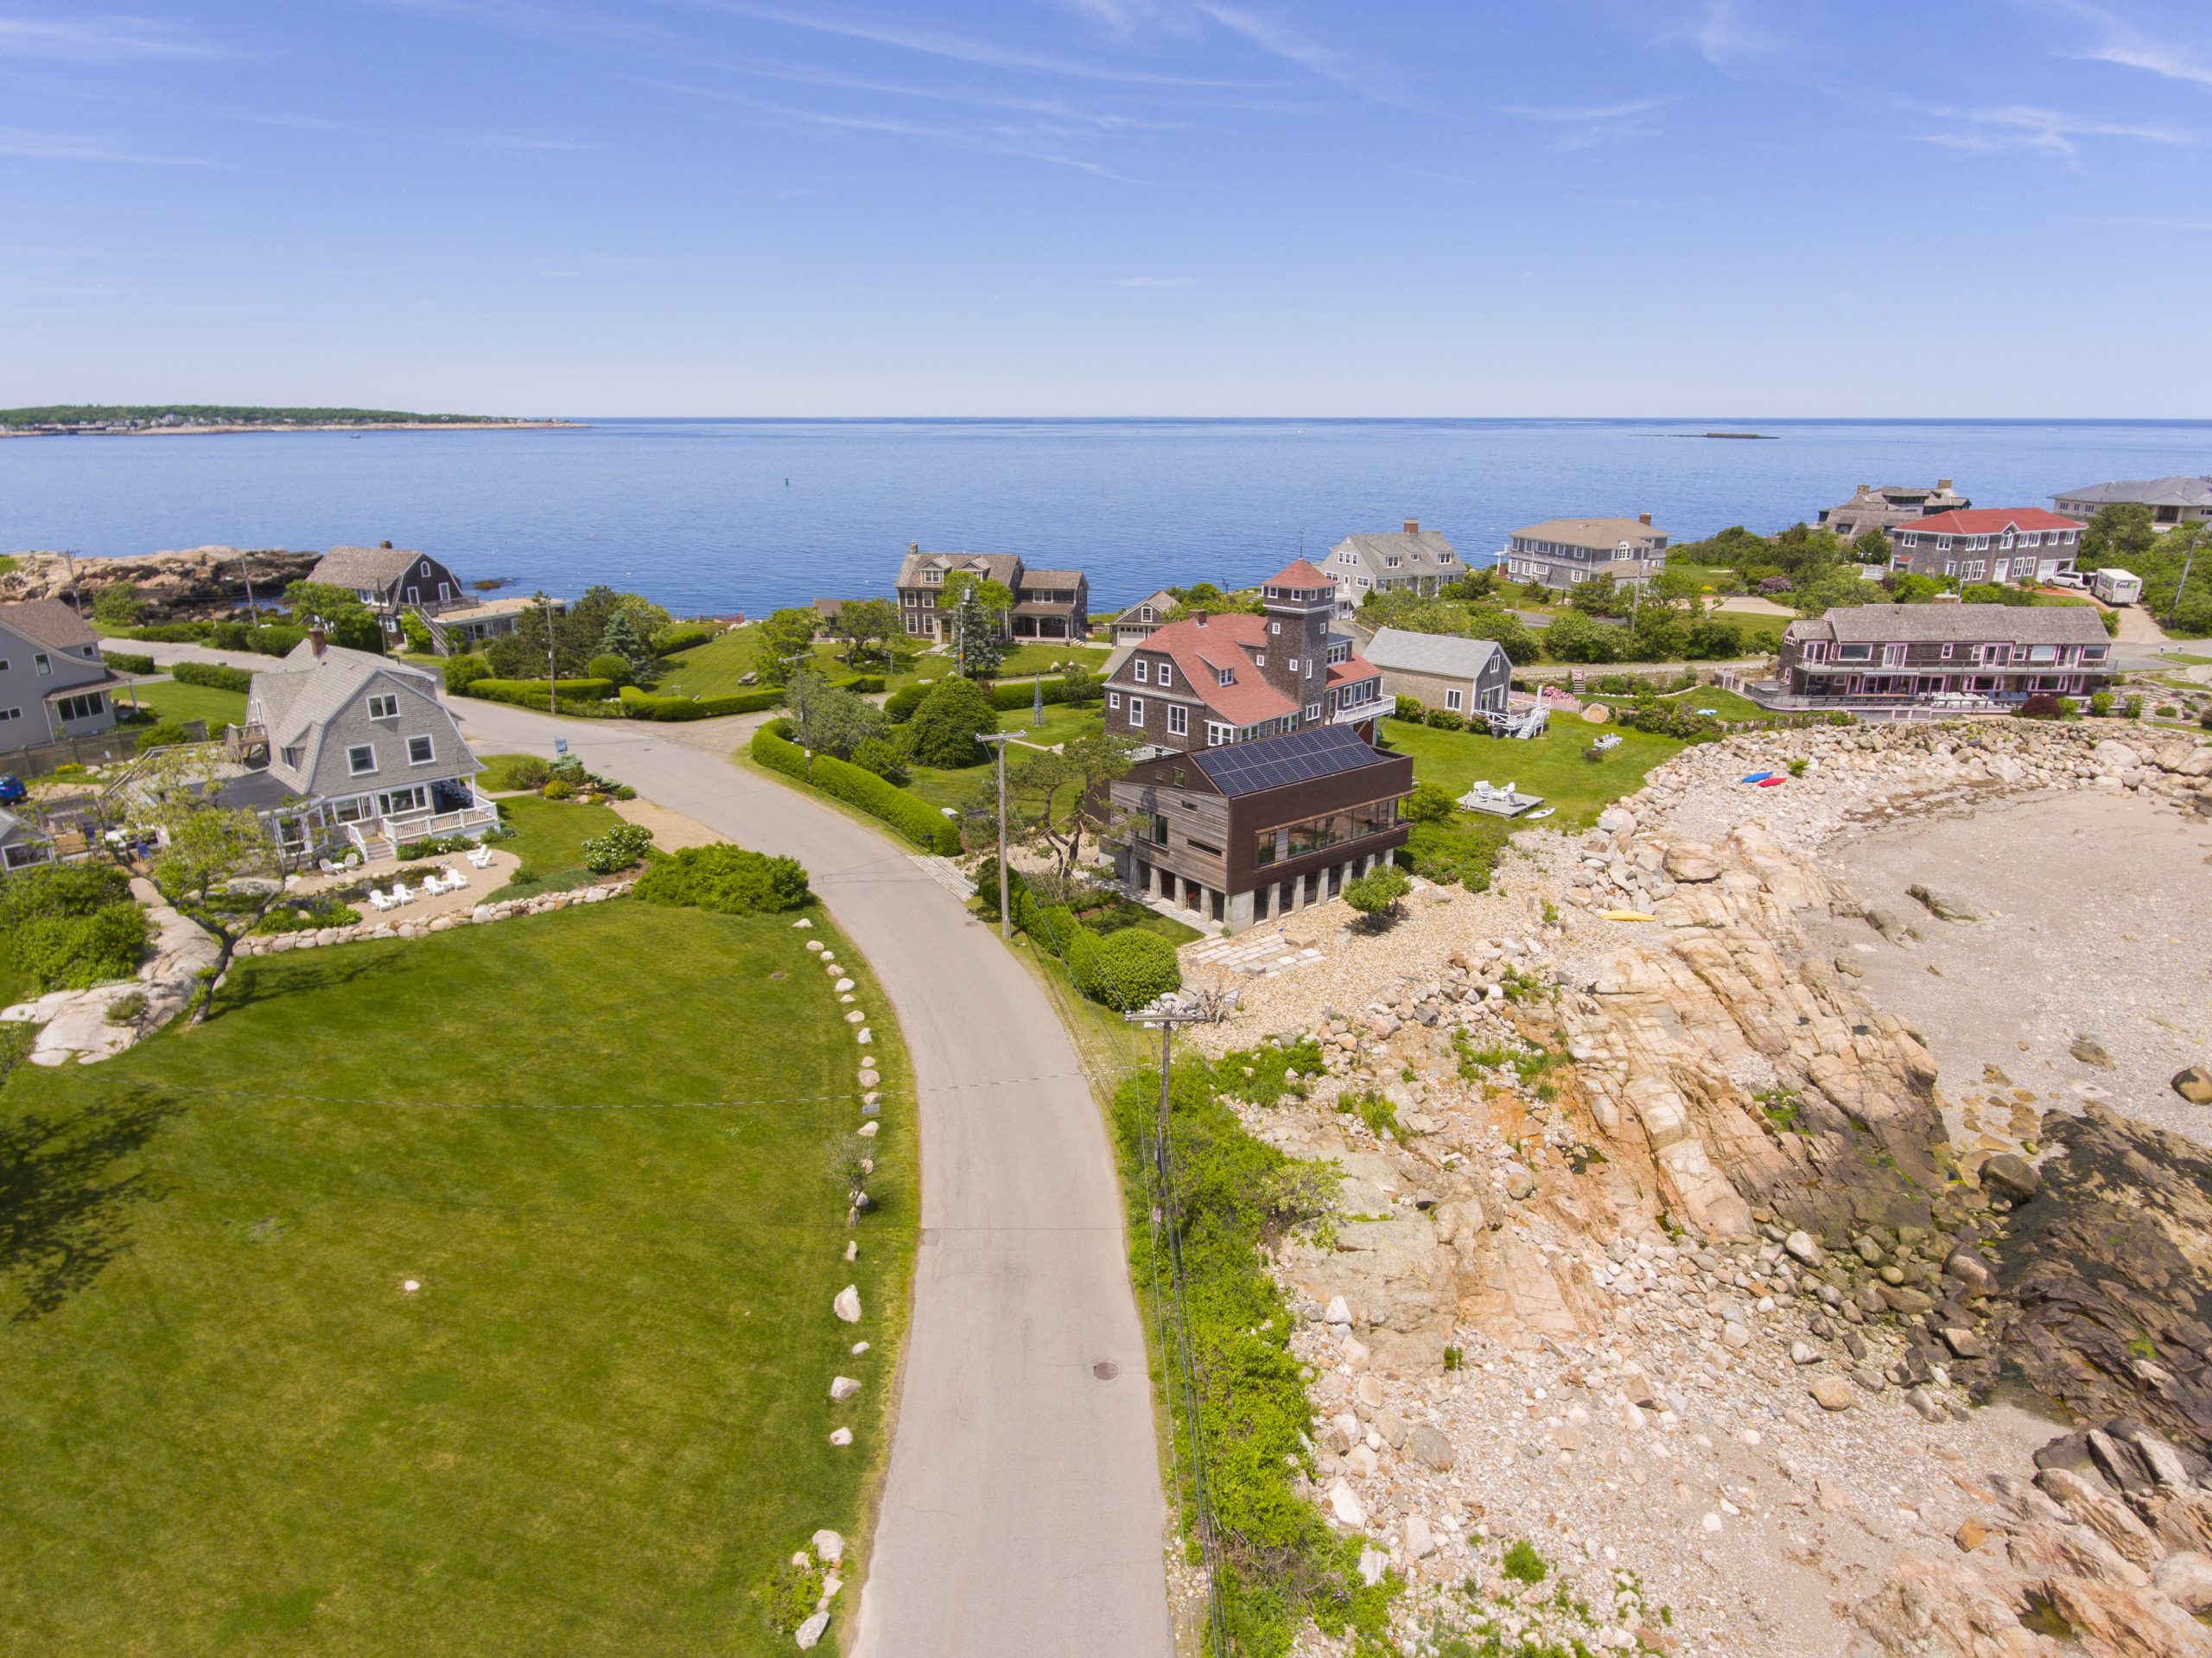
(1408, 708)
(1523, 1564)
(881, 756)
(618, 848)
(899, 706)
(1798, 768)
(987, 887)
(2132, 708)
(212, 675)
(943, 729)
(558, 789)
(2101, 703)
(682, 637)
(1124, 970)
(1008, 698)
(1445, 720)
(1371, 1109)
(727, 879)
(461, 672)
(912, 815)
(864, 684)
(15, 1039)
(126, 662)
(171, 633)
(1430, 802)
(609, 666)
(1269, 1074)
(71, 926)
(126, 1009)
(166, 734)
(1379, 891)
(587, 699)
(289, 918)
(416, 632)
(433, 846)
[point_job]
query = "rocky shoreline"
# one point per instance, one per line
(1655, 1250)
(198, 580)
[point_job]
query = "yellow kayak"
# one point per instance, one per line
(1626, 915)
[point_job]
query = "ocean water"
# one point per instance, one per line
(715, 516)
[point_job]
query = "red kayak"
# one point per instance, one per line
(1771, 783)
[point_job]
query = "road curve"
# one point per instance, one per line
(1023, 1513)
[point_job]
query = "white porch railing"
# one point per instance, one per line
(382, 837)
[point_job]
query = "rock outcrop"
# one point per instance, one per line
(202, 580)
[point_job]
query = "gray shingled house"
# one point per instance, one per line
(54, 682)
(1412, 559)
(2178, 499)
(389, 579)
(1442, 671)
(362, 754)
(1872, 655)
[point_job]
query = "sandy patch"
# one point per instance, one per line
(2094, 920)
(672, 831)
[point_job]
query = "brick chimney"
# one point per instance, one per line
(1643, 518)
(1413, 526)
(1201, 617)
(318, 641)
(1943, 483)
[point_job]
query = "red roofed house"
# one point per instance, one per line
(1987, 544)
(1211, 680)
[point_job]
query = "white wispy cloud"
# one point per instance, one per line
(101, 40)
(1729, 33)
(1279, 39)
(1587, 126)
(1054, 108)
(2024, 126)
(71, 147)
(1148, 281)
(2118, 42)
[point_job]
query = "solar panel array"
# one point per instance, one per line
(1275, 762)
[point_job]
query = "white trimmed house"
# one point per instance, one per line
(362, 754)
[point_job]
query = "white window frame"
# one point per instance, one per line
(1276, 627)
(384, 705)
(354, 752)
(1454, 701)
(1137, 710)
(1178, 719)
(430, 744)
(1219, 735)
(1294, 664)
(1313, 711)
(1143, 671)
(43, 664)
(1167, 674)
(1113, 699)
(11, 713)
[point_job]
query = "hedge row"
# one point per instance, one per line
(682, 638)
(212, 675)
(508, 690)
(124, 662)
(911, 814)
(643, 705)
(527, 694)
(1007, 697)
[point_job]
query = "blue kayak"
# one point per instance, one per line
(1756, 777)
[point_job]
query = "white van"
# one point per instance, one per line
(2116, 586)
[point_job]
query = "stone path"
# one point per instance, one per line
(1255, 953)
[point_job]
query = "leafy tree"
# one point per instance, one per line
(1804, 554)
(2124, 530)
(345, 619)
(1657, 633)
(1600, 595)
(1672, 584)
(1064, 796)
(609, 666)
(1819, 594)
(118, 604)
(1475, 586)
(830, 720)
(1733, 548)
(1712, 638)
(218, 866)
(1378, 894)
(522, 653)
(945, 721)
(417, 633)
(871, 625)
(1572, 637)
(786, 635)
(1872, 547)
(1909, 590)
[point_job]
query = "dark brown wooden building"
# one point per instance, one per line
(1249, 831)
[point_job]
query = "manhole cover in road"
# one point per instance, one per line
(1105, 1369)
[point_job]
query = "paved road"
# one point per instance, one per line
(1023, 1513)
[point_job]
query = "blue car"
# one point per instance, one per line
(12, 789)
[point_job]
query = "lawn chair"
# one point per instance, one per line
(379, 902)
(400, 894)
(328, 868)
(480, 857)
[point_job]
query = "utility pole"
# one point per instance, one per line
(1183, 1369)
(998, 740)
(253, 609)
(76, 594)
(797, 662)
(2187, 559)
(552, 678)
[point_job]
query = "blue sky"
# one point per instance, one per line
(1988, 207)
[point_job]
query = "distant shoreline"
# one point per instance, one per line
(221, 430)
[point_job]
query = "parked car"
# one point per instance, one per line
(12, 789)
(2067, 579)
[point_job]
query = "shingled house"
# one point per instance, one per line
(2175, 500)
(1561, 552)
(389, 579)
(1211, 680)
(54, 682)
(2006, 653)
(1412, 559)
(1888, 507)
(1991, 544)
(1047, 604)
(1239, 834)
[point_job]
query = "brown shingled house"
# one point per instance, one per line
(1211, 680)
(1047, 604)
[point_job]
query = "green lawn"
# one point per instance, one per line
(493, 778)
(1048, 658)
(549, 836)
(604, 1417)
(948, 785)
(170, 701)
(1725, 705)
(716, 668)
(1551, 766)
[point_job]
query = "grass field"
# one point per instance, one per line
(1725, 705)
(603, 1418)
(1551, 766)
(549, 836)
(493, 779)
(948, 785)
(170, 701)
